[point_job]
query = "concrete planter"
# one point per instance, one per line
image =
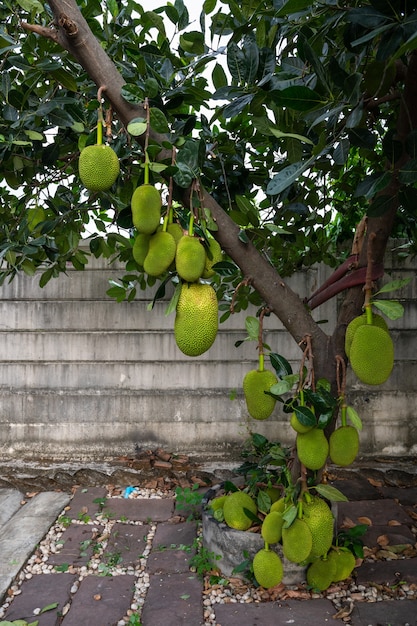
(231, 545)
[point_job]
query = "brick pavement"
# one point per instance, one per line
(149, 531)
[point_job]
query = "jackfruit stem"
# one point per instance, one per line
(368, 311)
(100, 127)
(165, 224)
(261, 360)
(146, 175)
(191, 225)
(343, 414)
(266, 545)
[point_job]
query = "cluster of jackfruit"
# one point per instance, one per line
(313, 447)
(370, 349)
(159, 248)
(308, 539)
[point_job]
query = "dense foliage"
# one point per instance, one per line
(287, 112)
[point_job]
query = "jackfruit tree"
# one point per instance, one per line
(283, 130)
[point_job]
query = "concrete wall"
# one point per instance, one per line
(84, 376)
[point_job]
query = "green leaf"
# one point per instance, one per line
(174, 300)
(65, 79)
(408, 173)
(279, 134)
(252, 327)
(354, 418)
(280, 365)
(293, 6)
(391, 308)
(299, 98)
(280, 388)
(330, 493)
(31, 5)
(209, 6)
(218, 76)
(158, 121)
(50, 607)
(137, 126)
(226, 268)
(34, 135)
(393, 285)
(263, 501)
(192, 42)
(305, 416)
(287, 176)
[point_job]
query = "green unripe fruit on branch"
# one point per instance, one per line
(190, 258)
(297, 541)
(98, 167)
(161, 253)
(146, 208)
(344, 445)
(267, 568)
(234, 513)
(372, 354)
(312, 448)
(196, 319)
(259, 404)
(361, 320)
(140, 248)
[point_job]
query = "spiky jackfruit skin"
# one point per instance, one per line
(214, 256)
(319, 518)
(160, 255)
(320, 574)
(176, 231)
(217, 503)
(146, 209)
(190, 258)
(344, 445)
(271, 529)
(297, 541)
(312, 448)
(372, 354)
(196, 318)
(278, 505)
(361, 320)
(255, 383)
(233, 510)
(98, 167)
(140, 248)
(345, 563)
(267, 568)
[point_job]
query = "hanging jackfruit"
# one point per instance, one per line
(196, 319)
(259, 404)
(312, 448)
(190, 258)
(146, 208)
(161, 253)
(344, 445)
(372, 354)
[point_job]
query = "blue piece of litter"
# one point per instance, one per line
(128, 491)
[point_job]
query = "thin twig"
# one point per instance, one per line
(43, 31)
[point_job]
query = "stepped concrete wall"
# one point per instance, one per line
(82, 376)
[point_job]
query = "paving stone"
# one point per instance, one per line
(168, 534)
(396, 535)
(169, 561)
(24, 530)
(385, 613)
(101, 601)
(356, 488)
(173, 600)
(10, 503)
(387, 572)
(83, 502)
(380, 512)
(39, 592)
(76, 546)
(139, 509)
(406, 497)
(126, 544)
(300, 613)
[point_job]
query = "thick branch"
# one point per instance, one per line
(74, 35)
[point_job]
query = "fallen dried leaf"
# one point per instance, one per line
(32, 494)
(345, 611)
(383, 540)
(394, 522)
(97, 596)
(347, 523)
(386, 554)
(365, 520)
(375, 483)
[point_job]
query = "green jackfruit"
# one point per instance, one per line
(190, 258)
(212, 257)
(297, 541)
(234, 513)
(372, 354)
(271, 529)
(344, 445)
(217, 503)
(267, 568)
(278, 505)
(98, 167)
(176, 231)
(146, 208)
(140, 248)
(255, 383)
(319, 518)
(361, 320)
(312, 448)
(320, 574)
(345, 563)
(160, 255)
(196, 318)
